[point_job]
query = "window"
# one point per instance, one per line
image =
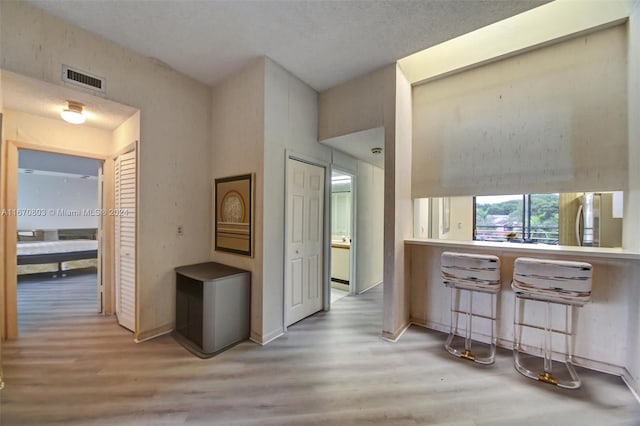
(530, 218)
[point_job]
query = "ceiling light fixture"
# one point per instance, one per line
(73, 113)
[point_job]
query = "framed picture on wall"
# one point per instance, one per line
(233, 216)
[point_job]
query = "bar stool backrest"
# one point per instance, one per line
(470, 271)
(553, 280)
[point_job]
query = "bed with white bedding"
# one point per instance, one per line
(56, 251)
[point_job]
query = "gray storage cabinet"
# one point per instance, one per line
(212, 307)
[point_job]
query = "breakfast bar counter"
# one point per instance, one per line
(608, 337)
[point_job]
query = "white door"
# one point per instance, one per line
(304, 240)
(125, 239)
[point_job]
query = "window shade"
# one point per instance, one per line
(549, 120)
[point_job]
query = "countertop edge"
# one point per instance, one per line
(602, 252)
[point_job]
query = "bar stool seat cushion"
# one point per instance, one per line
(552, 280)
(475, 272)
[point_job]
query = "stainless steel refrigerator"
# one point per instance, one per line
(595, 224)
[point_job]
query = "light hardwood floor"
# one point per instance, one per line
(73, 367)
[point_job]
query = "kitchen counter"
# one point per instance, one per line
(340, 244)
(532, 249)
(340, 261)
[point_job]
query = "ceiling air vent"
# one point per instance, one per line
(82, 79)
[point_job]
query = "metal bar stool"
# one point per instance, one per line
(551, 282)
(472, 273)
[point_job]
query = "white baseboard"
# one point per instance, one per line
(508, 344)
(633, 385)
(152, 334)
(393, 337)
(264, 340)
(369, 288)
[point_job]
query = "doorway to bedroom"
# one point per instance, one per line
(59, 223)
(33, 122)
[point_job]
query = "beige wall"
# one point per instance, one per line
(381, 99)
(56, 134)
(237, 147)
(174, 136)
(369, 242)
(460, 219)
(356, 105)
(257, 116)
(549, 120)
(290, 123)
(126, 133)
(398, 205)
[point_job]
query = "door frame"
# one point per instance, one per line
(100, 237)
(8, 225)
(132, 147)
(353, 226)
(326, 230)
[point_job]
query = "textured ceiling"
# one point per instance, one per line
(360, 144)
(323, 42)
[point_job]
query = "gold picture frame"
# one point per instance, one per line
(233, 214)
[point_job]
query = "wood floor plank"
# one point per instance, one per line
(71, 366)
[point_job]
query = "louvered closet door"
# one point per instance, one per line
(125, 229)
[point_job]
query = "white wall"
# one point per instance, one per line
(174, 138)
(369, 226)
(290, 123)
(549, 120)
(59, 198)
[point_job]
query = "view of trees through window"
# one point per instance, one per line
(520, 218)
